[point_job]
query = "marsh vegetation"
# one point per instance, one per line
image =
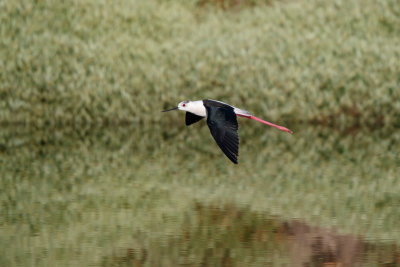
(86, 62)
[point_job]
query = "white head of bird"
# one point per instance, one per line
(184, 105)
(195, 107)
(221, 120)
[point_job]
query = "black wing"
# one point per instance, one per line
(192, 118)
(221, 120)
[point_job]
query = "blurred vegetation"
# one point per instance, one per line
(232, 4)
(79, 197)
(112, 62)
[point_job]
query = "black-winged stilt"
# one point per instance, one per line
(221, 119)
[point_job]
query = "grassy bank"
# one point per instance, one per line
(91, 62)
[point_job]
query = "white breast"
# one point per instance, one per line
(197, 107)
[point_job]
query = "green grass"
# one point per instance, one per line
(113, 62)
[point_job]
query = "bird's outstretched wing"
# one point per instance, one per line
(192, 118)
(221, 120)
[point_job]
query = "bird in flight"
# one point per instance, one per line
(221, 119)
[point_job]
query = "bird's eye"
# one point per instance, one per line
(184, 105)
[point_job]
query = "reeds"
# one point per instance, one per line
(80, 63)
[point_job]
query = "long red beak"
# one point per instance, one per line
(267, 123)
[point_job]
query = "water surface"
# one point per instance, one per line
(168, 197)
